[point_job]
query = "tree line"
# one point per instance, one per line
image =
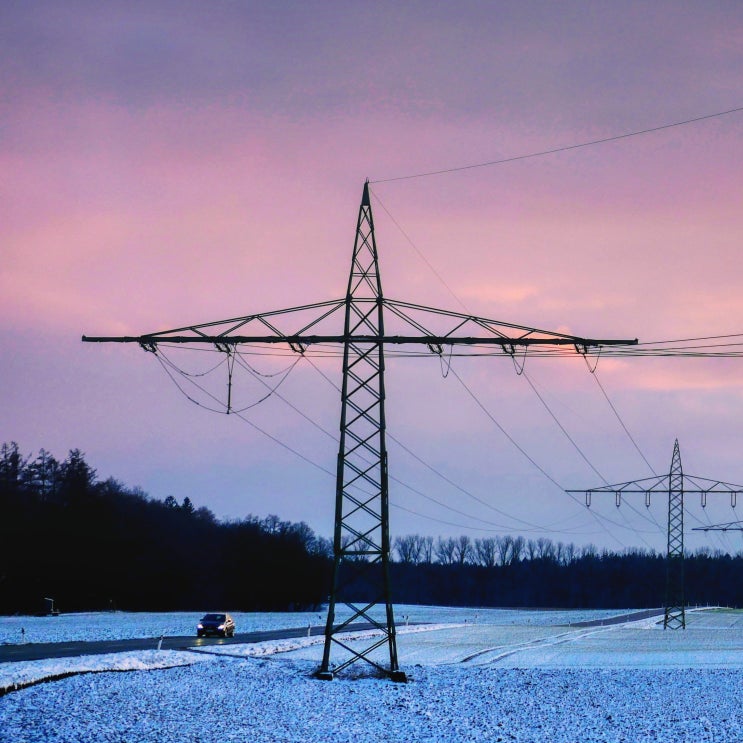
(513, 571)
(94, 544)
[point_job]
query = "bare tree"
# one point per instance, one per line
(517, 549)
(409, 549)
(462, 550)
(503, 546)
(545, 549)
(559, 553)
(485, 552)
(427, 550)
(569, 553)
(589, 550)
(445, 550)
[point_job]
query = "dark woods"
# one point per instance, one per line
(513, 571)
(93, 545)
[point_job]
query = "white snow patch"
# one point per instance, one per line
(28, 672)
(530, 681)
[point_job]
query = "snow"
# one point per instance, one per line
(508, 676)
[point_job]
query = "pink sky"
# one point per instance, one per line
(168, 163)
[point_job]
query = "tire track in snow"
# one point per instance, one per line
(542, 642)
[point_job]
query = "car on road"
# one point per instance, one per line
(215, 624)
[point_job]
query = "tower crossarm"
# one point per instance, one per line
(310, 327)
(692, 485)
(258, 328)
(450, 327)
(729, 526)
(658, 484)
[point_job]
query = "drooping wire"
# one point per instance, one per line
(639, 451)
(531, 526)
(482, 529)
(519, 370)
(621, 422)
(561, 427)
(648, 517)
(600, 519)
(165, 364)
(168, 364)
(555, 150)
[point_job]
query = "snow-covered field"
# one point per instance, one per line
(475, 675)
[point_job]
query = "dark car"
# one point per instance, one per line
(215, 624)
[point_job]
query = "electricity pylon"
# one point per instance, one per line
(361, 542)
(674, 484)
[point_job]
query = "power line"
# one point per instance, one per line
(521, 372)
(532, 526)
(565, 148)
(421, 255)
(621, 422)
(170, 368)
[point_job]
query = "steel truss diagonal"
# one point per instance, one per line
(361, 542)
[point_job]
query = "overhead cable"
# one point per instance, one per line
(565, 148)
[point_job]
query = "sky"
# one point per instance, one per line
(166, 164)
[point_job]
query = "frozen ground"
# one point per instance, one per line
(506, 677)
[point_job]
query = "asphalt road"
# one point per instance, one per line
(621, 618)
(37, 651)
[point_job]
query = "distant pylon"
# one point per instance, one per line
(674, 484)
(675, 614)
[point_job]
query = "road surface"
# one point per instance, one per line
(37, 651)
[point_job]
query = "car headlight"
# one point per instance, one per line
(199, 626)
(221, 626)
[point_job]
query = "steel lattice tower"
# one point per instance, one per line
(675, 615)
(361, 544)
(674, 485)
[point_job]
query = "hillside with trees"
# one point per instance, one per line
(94, 544)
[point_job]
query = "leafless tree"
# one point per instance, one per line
(569, 553)
(427, 550)
(445, 550)
(409, 548)
(517, 549)
(589, 550)
(462, 550)
(545, 548)
(559, 553)
(485, 552)
(503, 546)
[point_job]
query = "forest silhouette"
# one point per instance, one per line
(96, 545)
